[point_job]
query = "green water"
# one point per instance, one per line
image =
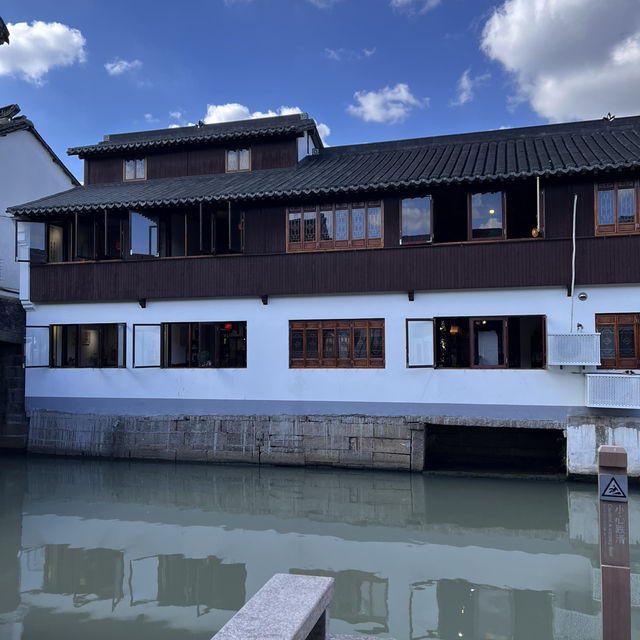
(119, 550)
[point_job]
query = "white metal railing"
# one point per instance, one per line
(581, 349)
(613, 390)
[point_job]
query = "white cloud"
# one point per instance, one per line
(466, 85)
(150, 118)
(176, 115)
(118, 66)
(390, 105)
(348, 54)
(324, 131)
(415, 6)
(569, 58)
(38, 47)
(234, 111)
(324, 4)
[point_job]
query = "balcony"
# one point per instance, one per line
(574, 349)
(613, 390)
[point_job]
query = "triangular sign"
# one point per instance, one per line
(613, 490)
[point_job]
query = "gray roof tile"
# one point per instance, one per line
(548, 150)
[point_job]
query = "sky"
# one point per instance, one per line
(365, 70)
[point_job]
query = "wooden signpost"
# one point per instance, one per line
(613, 491)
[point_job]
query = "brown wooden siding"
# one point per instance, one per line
(524, 263)
(271, 154)
(99, 170)
(559, 209)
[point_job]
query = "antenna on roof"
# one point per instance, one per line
(609, 117)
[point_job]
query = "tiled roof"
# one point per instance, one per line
(197, 134)
(549, 150)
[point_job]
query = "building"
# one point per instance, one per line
(28, 169)
(238, 291)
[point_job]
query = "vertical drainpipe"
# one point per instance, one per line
(229, 225)
(538, 203)
(573, 257)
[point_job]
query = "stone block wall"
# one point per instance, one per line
(341, 441)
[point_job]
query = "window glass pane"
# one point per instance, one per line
(486, 215)
(626, 205)
(193, 233)
(294, 227)
(374, 219)
(129, 169)
(244, 159)
(36, 347)
(328, 343)
(607, 341)
(56, 244)
(232, 345)
(297, 344)
(144, 235)
(140, 168)
(312, 343)
(232, 161)
(326, 225)
(344, 343)
(605, 207)
(203, 347)
(65, 339)
(342, 224)
(177, 339)
(309, 226)
(626, 341)
(111, 345)
(89, 346)
(488, 343)
(359, 343)
(114, 237)
(175, 240)
(357, 224)
(85, 239)
(375, 342)
(147, 346)
(420, 342)
(452, 342)
(416, 219)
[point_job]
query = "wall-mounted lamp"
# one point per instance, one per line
(579, 326)
(411, 295)
(265, 299)
(143, 303)
(582, 296)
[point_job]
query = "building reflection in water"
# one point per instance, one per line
(454, 609)
(102, 549)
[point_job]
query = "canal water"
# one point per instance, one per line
(93, 550)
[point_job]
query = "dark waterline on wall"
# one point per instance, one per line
(97, 549)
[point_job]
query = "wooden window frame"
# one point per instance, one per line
(433, 344)
(135, 178)
(318, 244)
(617, 319)
(503, 199)
(617, 228)
(238, 170)
(406, 240)
(336, 362)
(24, 350)
(99, 325)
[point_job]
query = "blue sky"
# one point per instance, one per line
(366, 69)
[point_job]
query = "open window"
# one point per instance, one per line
(204, 344)
(416, 220)
(147, 341)
(144, 234)
(420, 342)
(36, 347)
(30, 242)
(88, 345)
(486, 215)
(516, 342)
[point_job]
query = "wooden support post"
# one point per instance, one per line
(613, 492)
